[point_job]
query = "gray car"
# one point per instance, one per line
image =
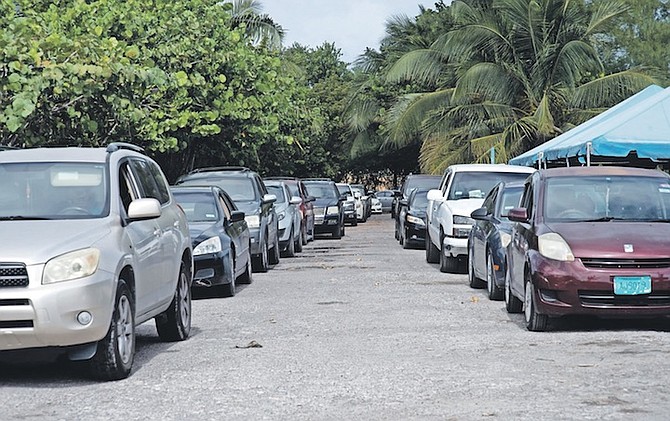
(93, 244)
(288, 214)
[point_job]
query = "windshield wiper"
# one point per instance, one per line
(23, 218)
(605, 219)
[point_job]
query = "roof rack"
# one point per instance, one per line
(317, 179)
(280, 178)
(211, 169)
(115, 146)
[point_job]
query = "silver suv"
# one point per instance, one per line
(93, 244)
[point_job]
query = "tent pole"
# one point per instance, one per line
(588, 154)
(540, 156)
(493, 155)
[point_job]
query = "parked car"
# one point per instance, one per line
(413, 219)
(247, 190)
(462, 190)
(375, 204)
(590, 241)
(290, 221)
(412, 181)
(386, 199)
(306, 207)
(489, 237)
(365, 199)
(219, 236)
(93, 244)
(353, 208)
(328, 209)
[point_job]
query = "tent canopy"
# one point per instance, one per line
(639, 126)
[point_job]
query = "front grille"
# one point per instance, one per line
(15, 324)
(626, 263)
(608, 299)
(14, 302)
(13, 275)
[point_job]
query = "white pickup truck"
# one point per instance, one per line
(461, 191)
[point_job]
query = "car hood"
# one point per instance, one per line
(418, 212)
(322, 203)
(281, 207)
(35, 242)
(608, 239)
(464, 207)
(200, 231)
(249, 208)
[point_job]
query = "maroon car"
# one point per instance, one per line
(590, 240)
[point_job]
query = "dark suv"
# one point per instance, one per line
(328, 209)
(250, 195)
(412, 181)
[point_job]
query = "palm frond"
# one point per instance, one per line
(604, 14)
(423, 66)
(611, 89)
(487, 80)
(405, 119)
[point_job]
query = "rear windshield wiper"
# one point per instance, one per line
(23, 218)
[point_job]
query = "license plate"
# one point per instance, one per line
(632, 285)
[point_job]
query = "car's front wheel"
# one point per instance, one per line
(290, 248)
(261, 260)
(115, 353)
(246, 277)
(535, 322)
(447, 263)
(495, 292)
(473, 280)
(512, 304)
(432, 252)
(274, 256)
(174, 324)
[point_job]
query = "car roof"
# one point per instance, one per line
(601, 170)
(207, 189)
(73, 154)
(490, 168)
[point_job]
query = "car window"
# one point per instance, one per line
(476, 185)
(240, 189)
(227, 211)
(344, 189)
(148, 182)
(127, 186)
(322, 190)
(489, 202)
(278, 191)
(198, 206)
(510, 199)
(631, 198)
(419, 199)
(527, 199)
(53, 190)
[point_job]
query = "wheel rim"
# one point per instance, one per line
(471, 266)
(124, 329)
(507, 290)
(489, 275)
(184, 300)
(528, 302)
(264, 255)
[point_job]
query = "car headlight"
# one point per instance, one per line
(281, 215)
(505, 239)
(414, 220)
(253, 221)
(209, 246)
(553, 246)
(70, 266)
(349, 206)
(332, 210)
(463, 220)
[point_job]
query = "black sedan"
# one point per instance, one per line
(489, 237)
(413, 219)
(220, 238)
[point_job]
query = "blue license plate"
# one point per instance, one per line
(632, 285)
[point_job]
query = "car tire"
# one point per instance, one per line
(174, 324)
(274, 256)
(228, 290)
(298, 240)
(261, 261)
(246, 277)
(448, 264)
(432, 253)
(404, 240)
(304, 238)
(535, 322)
(495, 292)
(337, 232)
(512, 304)
(113, 359)
(290, 247)
(355, 223)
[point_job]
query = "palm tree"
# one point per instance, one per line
(259, 27)
(525, 71)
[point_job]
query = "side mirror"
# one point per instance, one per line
(518, 215)
(269, 198)
(295, 200)
(434, 194)
(237, 216)
(480, 214)
(142, 209)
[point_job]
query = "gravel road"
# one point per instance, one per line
(360, 329)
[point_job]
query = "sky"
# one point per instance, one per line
(351, 24)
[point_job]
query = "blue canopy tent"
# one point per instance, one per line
(635, 130)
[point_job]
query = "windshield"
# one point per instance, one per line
(53, 190)
(510, 199)
(344, 188)
(419, 200)
(277, 191)
(420, 182)
(604, 198)
(476, 185)
(199, 207)
(321, 190)
(240, 189)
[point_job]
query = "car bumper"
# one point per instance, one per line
(350, 216)
(455, 247)
(377, 209)
(326, 224)
(46, 315)
(255, 237)
(564, 288)
(415, 233)
(210, 270)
